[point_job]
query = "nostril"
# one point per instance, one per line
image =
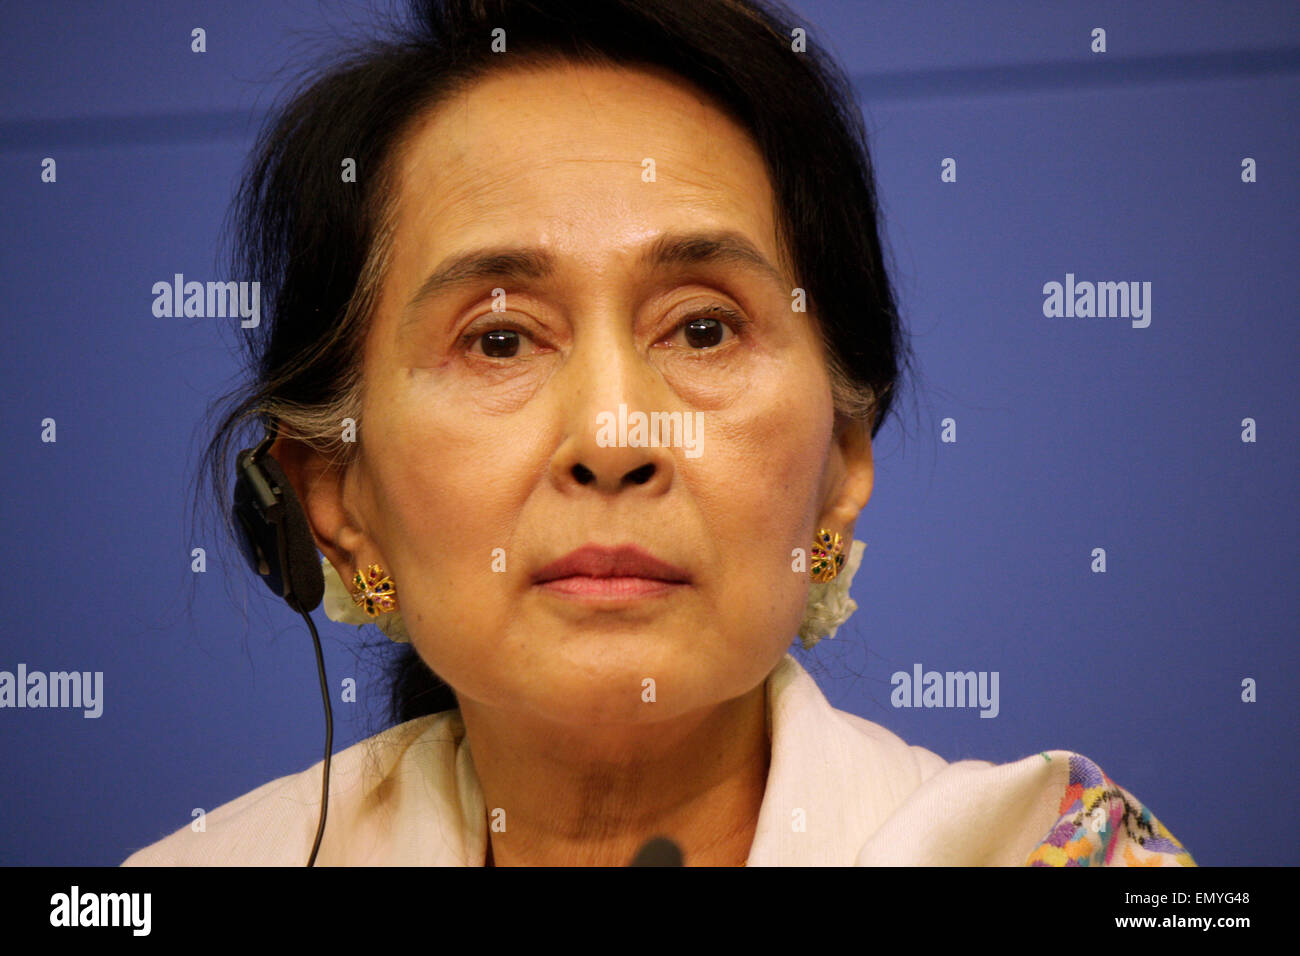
(582, 474)
(639, 476)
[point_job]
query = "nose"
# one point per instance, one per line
(604, 386)
(610, 475)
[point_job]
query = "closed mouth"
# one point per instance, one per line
(626, 562)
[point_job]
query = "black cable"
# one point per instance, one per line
(329, 738)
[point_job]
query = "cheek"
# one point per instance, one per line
(453, 479)
(422, 490)
(760, 492)
(768, 454)
(450, 489)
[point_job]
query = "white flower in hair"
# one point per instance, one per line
(340, 607)
(829, 604)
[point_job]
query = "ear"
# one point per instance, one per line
(328, 499)
(850, 476)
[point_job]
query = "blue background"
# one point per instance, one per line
(1072, 433)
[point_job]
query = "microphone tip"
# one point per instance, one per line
(658, 851)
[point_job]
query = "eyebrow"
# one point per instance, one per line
(513, 263)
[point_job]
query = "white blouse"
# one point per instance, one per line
(841, 791)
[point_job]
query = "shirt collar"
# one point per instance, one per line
(833, 779)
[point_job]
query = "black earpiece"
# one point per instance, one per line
(278, 544)
(276, 540)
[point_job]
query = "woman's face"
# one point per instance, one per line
(629, 228)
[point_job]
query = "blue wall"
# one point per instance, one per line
(1072, 434)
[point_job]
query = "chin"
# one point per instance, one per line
(625, 684)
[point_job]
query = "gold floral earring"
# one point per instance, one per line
(375, 593)
(829, 604)
(827, 556)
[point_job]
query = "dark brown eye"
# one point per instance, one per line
(703, 332)
(500, 343)
(708, 328)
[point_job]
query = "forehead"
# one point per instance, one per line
(585, 160)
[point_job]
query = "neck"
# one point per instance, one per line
(560, 795)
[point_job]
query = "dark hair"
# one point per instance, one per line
(319, 245)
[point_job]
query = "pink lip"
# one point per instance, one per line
(609, 588)
(623, 572)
